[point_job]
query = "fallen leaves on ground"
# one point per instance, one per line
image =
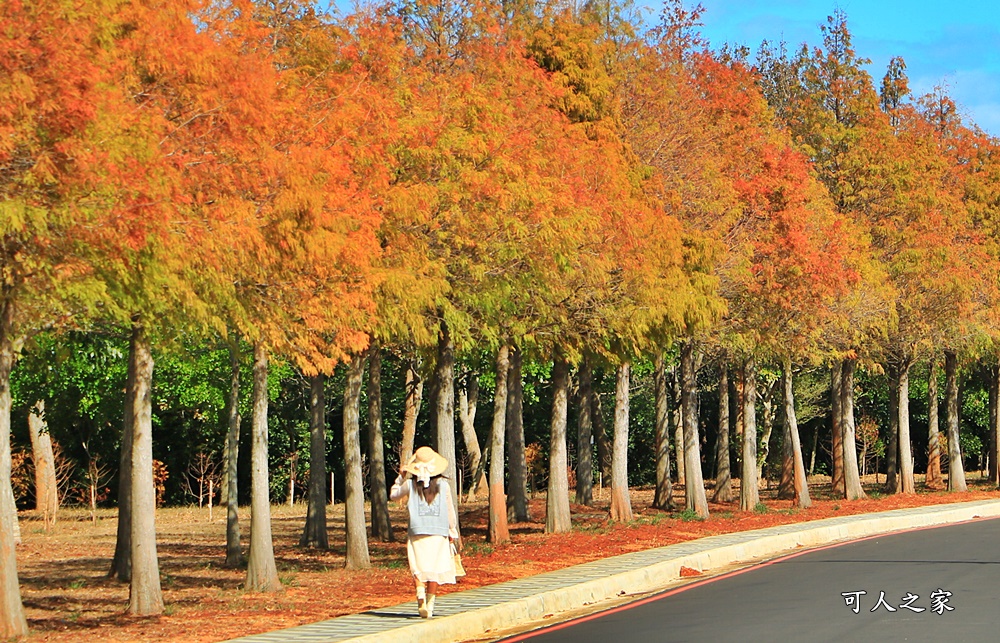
(68, 596)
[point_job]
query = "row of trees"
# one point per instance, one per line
(554, 182)
(82, 416)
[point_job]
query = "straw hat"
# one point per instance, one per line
(425, 464)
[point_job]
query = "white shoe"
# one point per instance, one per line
(429, 606)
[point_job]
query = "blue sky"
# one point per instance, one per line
(952, 44)
(955, 45)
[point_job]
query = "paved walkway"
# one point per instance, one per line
(473, 613)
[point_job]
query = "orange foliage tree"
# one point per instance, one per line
(56, 93)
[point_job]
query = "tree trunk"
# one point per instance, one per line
(121, 563)
(224, 471)
(812, 452)
(739, 424)
(934, 478)
(584, 438)
(678, 420)
(411, 409)
(892, 448)
(13, 623)
(694, 485)
(786, 484)
(46, 485)
(768, 422)
(498, 532)
(749, 496)
(852, 477)
(234, 554)
(903, 408)
(723, 475)
(800, 484)
(621, 503)
(663, 496)
(600, 435)
(517, 483)
(956, 470)
(863, 459)
(431, 394)
(557, 518)
(468, 399)
(445, 407)
(262, 573)
(11, 517)
(381, 528)
(994, 375)
(354, 498)
(837, 431)
(314, 534)
(145, 596)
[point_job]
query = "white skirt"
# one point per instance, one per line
(431, 559)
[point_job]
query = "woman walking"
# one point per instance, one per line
(433, 524)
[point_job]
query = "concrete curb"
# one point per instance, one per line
(714, 552)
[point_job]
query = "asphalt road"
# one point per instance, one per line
(802, 597)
